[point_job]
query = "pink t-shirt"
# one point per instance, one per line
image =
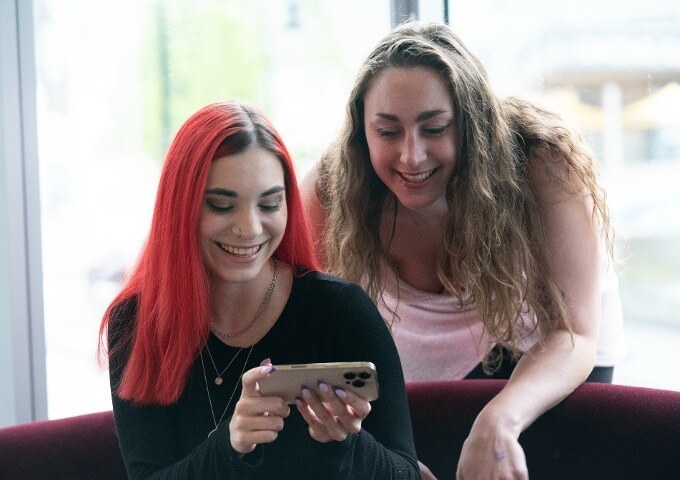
(438, 339)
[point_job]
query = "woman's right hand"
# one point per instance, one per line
(256, 419)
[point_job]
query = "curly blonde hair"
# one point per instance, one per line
(495, 245)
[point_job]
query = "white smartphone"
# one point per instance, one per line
(286, 381)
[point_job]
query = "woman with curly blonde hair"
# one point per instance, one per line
(478, 227)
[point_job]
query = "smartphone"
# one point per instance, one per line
(286, 381)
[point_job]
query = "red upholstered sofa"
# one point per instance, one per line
(599, 432)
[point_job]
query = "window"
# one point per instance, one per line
(110, 98)
(108, 104)
(611, 68)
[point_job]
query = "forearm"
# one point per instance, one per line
(544, 376)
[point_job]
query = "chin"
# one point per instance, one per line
(416, 203)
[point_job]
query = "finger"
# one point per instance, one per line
(337, 406)
(251, 406)
(260, 422)
(317, 430)
(246, 441)
(252, 376)
(344, 414)
(360, 406)
(329, 421)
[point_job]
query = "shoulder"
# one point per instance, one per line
(309, 183)
(315, 185)
(551, 177)
(326, 282)
(335, 294)
(315, 201)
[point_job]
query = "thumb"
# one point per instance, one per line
(252, 376)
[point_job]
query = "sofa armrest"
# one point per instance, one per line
(83, 447)
(600, 431)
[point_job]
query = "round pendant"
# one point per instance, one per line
(218, 381)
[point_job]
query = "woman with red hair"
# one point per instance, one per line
(226, 278)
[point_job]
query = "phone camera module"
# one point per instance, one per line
(350, 375)
(365, 375)
(358, 383)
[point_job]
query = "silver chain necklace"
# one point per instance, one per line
(218, 378)
(233, 392)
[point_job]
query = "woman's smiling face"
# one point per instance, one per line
(244, 214)
(410, 130)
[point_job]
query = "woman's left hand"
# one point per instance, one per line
(492, 454)
(332, 414)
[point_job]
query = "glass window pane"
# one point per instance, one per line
(115, 81)
(612, 69)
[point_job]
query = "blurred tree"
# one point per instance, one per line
(196, 53)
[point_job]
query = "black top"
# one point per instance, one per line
(325, 320)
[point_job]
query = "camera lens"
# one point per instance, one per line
(350, 375)
(358, 383)
(365, 375)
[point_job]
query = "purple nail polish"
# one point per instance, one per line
(298, 401)
(323, 388)
(306, 392)
(340, 393)
(266, 360)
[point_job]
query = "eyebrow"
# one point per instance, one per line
(420, 118)
(232, 194)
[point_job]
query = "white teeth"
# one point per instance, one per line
(416, 178)
(245, 251)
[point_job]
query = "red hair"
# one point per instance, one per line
(169, 280)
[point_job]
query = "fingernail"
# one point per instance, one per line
(322, 386)
(340, 392)
(306, 393)
(267, 368)
(298, 401)
(265, 361)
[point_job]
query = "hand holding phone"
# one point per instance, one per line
(286, 381)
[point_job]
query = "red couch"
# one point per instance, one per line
(599, 432)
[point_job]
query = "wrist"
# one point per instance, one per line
(494, 418)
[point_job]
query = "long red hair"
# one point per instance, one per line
(169, 280)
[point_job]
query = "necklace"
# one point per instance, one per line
(233, 392)
(218, 379)
(263, 307)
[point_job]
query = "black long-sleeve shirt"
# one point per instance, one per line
(325, 320)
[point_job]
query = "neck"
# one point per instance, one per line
(435, 213)
(233, 306)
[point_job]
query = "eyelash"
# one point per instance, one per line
(435, 131)
(386, 133)
(265, 208)
(271, 208)
(432, 131)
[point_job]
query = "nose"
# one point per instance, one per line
(413, 151)
(247, 223)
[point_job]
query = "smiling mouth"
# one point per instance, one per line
(240, 251)
(417, 178)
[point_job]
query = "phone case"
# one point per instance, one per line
(286, 381)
